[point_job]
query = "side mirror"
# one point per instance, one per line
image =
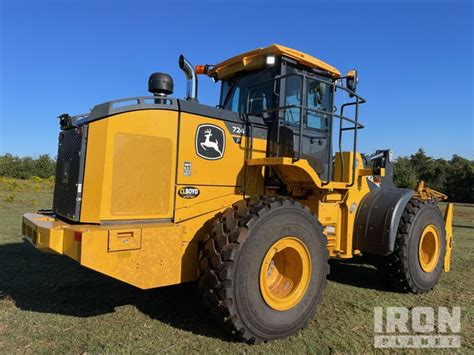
(352, 79)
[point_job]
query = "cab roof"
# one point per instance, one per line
(257, 58)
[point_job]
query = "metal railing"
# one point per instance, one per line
(303, 110)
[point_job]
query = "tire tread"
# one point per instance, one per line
(396, 265)
(219, 255)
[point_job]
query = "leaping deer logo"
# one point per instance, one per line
(210, 144)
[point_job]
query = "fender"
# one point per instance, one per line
(378, 218)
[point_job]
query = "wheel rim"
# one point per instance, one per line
(429, 248)
(285, 273)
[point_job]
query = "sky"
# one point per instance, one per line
(414, 60)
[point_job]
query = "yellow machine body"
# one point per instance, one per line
(160, 253)
(256, 59)
(131, 195)
(147, 198)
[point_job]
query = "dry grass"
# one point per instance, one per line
(49, 303)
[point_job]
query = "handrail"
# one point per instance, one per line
(330, 115)
(275, 109)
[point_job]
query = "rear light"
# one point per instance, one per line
(78, 236)
(201, 69)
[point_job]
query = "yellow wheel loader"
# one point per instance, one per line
(249, 199)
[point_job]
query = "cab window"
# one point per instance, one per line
(318, 97)
(249, 93)
(293, 85)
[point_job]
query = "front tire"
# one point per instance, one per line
(417, 260)
(263, 268)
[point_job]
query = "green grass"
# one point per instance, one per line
(49, 303)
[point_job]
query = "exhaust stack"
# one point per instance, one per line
(188, 69)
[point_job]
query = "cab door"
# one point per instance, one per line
(307, 101)
(316, 147)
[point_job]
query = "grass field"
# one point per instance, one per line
(49, 303)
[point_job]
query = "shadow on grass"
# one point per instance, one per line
(41, 282)
(358, 273)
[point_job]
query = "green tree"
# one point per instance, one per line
(44, 166)
(423, 165)
(24, 168)
(460, 179)
(7, 165)
(403, 173)
(454, 177)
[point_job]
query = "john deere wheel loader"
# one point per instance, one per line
(249, 198)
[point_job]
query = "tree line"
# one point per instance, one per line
(454, 177)
(26, 167)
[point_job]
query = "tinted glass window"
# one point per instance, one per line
(318, 97)
(246, 93)
(234, 103)
(293, 85)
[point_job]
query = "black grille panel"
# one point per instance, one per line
(69, 173)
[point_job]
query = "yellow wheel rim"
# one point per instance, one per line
(429, 248)
(285, 273)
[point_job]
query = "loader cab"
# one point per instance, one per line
(292, 99)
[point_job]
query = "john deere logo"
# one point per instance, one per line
(210, 142)
(188, 192)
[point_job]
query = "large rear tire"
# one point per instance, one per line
(417, 260)
(263, 268)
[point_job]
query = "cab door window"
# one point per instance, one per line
(318, 97)
(293, 85)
